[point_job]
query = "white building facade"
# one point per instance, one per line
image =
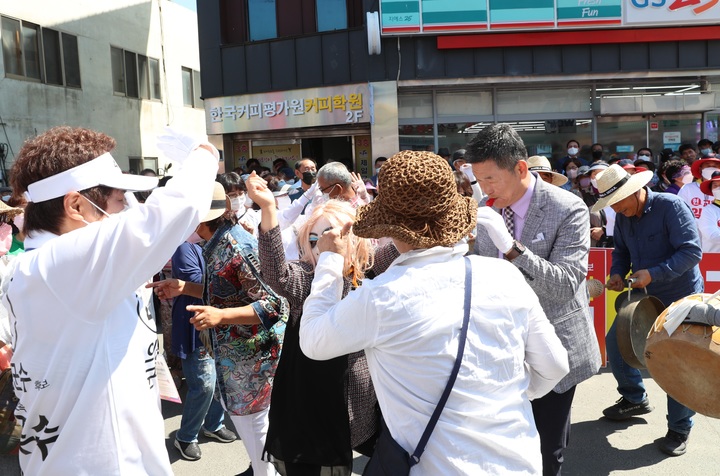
(125, 68)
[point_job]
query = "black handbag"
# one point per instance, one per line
(391, 459)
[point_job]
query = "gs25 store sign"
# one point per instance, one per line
(686, 12)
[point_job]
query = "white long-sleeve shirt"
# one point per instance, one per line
(408, 320)
(709, 226)
(84, 346)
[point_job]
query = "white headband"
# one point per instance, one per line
(102, 170)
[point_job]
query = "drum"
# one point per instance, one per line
(635, 318)
(686, 364)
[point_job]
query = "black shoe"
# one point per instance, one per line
(247, 472)
(625, 409)
(674, 443)
(189, 451)
(223, 435)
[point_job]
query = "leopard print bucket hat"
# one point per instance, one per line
(417, 203)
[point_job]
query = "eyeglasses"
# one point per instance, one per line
(328, 187)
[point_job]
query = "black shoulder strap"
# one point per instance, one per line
(453, 375)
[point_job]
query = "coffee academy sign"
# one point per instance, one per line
(289, 109)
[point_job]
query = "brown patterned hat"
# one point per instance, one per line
(417, 203)
(11, 212)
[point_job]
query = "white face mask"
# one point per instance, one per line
(708, 171)
(716, 193)
(573, 151)
(572, 174)
(687, 178)
(248, 202)
(237, 202)
(594, 182)
(324, 198)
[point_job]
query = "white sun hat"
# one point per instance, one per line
(102, 170)
(538, 163)
(615, 183)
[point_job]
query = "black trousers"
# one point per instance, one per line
(552, 418)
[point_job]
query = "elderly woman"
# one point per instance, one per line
(320, 410)
(408, 323)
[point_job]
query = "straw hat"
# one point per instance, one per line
(218, 205)
(418, 203)
(614, 184)
(11, 212)
(538, 163)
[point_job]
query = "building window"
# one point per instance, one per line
(135, 75)
(331, 15)
(262, 19)
(41, 54)
(255, 20)
(191, 88)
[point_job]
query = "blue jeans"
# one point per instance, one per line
(632, 388)
(200, 406)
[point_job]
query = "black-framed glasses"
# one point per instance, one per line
(328, 187)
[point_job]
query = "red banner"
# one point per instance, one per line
(603, 306)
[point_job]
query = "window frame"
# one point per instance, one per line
(149, 84)
(42, 50)
(195, 95)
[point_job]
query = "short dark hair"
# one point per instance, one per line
(685, 147)
(297, 164)
(231, 182)
(499, 143)
(54, 151)
(596, 143)
(380, 159)
(572, 140)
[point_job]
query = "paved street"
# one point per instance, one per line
(597, 447)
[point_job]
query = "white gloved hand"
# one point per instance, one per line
(177, 146)
(467, 170)
(310, 193)
(495, 226)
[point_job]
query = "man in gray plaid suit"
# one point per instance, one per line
(545, 231)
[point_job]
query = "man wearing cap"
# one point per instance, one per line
(544, 231)
(702, 169)
(655, 238)
(412, 314)
(85, 346)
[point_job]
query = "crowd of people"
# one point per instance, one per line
(321, 311)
